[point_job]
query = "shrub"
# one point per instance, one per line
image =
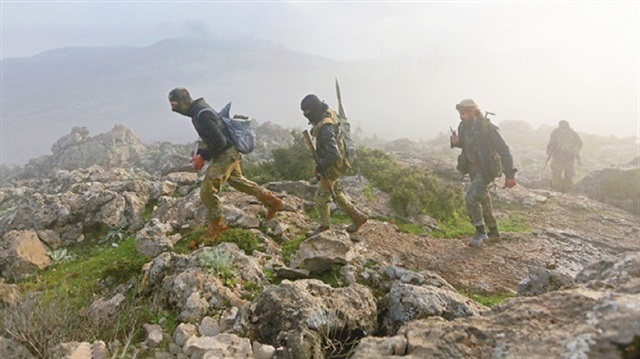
(413, 191)
(218, 262)
(246, 240)
(291, 163)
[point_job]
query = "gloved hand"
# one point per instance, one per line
(198, 162)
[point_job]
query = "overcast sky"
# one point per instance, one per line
(607, 32)
(341, 30)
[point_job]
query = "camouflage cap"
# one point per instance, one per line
(467, 104)
(180, 94)
(563, 123)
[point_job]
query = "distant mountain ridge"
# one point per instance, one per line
(45, 95)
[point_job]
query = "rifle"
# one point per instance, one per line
(343, 115)
(323, 174)
(487, 113)
(341, 112)
(453, 133)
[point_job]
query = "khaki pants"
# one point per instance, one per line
(226, 168)
(558, 168)
(323, 198)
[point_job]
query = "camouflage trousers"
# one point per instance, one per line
(226, 168)
(558, 168)
(323, 199)
(477, 200)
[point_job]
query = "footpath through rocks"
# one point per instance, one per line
(567, 232)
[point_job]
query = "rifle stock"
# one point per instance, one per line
(323, 174)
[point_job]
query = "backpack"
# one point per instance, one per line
(242, 134)
(496, 169)
(344, 132)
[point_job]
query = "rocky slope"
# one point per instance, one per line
(573, 278)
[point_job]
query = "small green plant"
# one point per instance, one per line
(290, 247)
(122, 270)
(61, 256)
(271, 276)
(219, 262)
(369, 264)
(488, 300)
(515, 223)
(246, 240)
(149, 207)
(367, 192)
(253, 289)
(332, 277)
(116, 235)
(453, 229)
(192, 239)
(336, 218)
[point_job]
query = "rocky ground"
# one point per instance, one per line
(574, 270)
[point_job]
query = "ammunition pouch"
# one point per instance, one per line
(463, 164)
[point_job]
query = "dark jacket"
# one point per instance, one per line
(211, 130)
(564, 144)
(482, 138)
(326, 142)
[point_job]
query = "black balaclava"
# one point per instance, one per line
(182, 96)
(313, 109)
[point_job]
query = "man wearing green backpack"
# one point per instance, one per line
(332, 162)
(485, 156)
(218, 148)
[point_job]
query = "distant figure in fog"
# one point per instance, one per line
(564, 150)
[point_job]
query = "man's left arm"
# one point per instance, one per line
(505, 154)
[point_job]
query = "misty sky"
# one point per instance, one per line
(340, 30)
(608, 32)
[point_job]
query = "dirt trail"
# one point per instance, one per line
(568, 232)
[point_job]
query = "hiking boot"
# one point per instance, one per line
(477, 239)
(273, 204)
(318, 229)
(494, 234)
(215, 228)
(357, 218)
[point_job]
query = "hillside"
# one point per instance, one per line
(102, 256)
(45, 95)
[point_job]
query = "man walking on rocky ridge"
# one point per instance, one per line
(331, 152)
(216, 146)
(563, 149)
(484, 157)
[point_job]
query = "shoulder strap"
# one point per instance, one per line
(203, 110)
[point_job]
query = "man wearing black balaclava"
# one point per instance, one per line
(332, 154)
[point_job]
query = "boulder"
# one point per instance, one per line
(22, 254)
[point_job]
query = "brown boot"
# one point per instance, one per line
(216, 227)
(273, 204)
(358, 218)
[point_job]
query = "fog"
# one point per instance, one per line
(540, 62)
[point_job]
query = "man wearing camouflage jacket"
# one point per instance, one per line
(484, 157)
